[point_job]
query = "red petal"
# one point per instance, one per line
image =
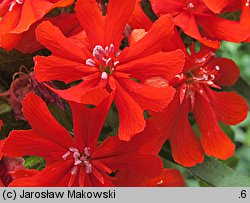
(131, 117)
(117, 17)
(167, 178)
(53, 39)
(139, 19)
(228, 73)
(21, 173)
(164, 64)
(175, 42)
(153, 42)
(91, 20)
(42, 122)
(67, 23)
(33, 11)
(55, 175)
(187, 23)
(216, 5)
(9, 20)
(148, 97)
(173, 122)
(28, 142)
(88, 123)
(223, 29)
(245, 15)
(214, 141)
(151, 138)
(146, 165)
(62, 69)
(9, 41)
(87, 92)
(146, 142)
(229, 107)
(112, 151)
(172, 7)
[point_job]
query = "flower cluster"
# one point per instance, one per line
(112, 58)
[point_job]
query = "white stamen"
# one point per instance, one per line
(87, 151)
(212, 76)
(76, 155)
(105, 56)
(118, 53)
(111, 48)
(104, 59)
(179, 76)
(204, 77)
(107, 61)
(190, 5)
(90, 62)
(160, 182)
(88, 167)
(201, 60)
(106, 51)
(104, 76)
(66, 155)
(248, 2)
(83, 158)
(217, 68)
(98, 51)
(19, 1)
(11, 6)
(14, 3)
(117, 62)
(73, 149)
(77, 162)
(191, 93)
(74, 170)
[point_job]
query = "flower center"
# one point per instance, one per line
(13, 3)
(79, 159)
(205, 75)
(105, 59)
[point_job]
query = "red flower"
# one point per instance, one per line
(199, 92)
(77, 161)
(153, 145)
(192, 15)
(245, 15)
(97, 60)
(138, 19)
(167, 178)
(18, 15)
(27, 43)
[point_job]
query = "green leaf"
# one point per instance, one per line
(34, 162)
(215, 173)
